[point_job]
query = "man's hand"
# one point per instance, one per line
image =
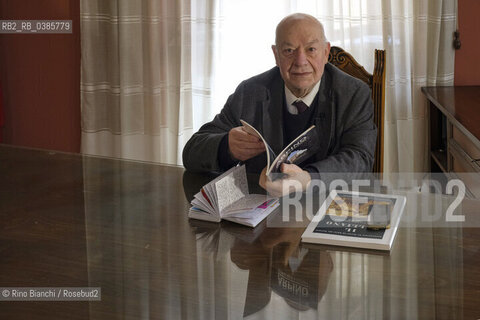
(243, 145)
(295, 177)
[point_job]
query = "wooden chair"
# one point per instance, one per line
(376, 81)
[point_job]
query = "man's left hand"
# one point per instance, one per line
(295, 178)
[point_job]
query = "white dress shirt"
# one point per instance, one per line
(308, 99)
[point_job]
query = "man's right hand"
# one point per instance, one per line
(243, 145)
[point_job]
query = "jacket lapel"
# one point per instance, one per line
(324, 116)
(273, 116)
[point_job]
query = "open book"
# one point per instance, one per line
(356, 219)
(227, 197)
(301, 148)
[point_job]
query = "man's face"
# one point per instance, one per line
(301, 54)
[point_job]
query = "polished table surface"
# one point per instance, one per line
(76, 221)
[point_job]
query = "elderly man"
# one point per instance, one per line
(303, 89)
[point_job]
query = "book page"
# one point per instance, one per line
(231, 188)
(254, 217)
(197, 213)
(250, 213)
(250, 129)
(200, 201)
(209, 194)
(209, 191)
(247, 203)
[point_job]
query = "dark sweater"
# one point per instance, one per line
(295, 124)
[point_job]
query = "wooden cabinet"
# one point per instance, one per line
(454, 133)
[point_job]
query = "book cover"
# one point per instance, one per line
(300, 149)
(356, 219)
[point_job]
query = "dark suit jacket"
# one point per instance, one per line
(343, 120)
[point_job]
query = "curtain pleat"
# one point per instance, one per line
(138, 94)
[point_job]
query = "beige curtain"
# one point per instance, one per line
(418, 37)
(139, 97)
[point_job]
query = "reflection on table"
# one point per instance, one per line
(68, 220)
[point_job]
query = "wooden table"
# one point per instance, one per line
(76, 221)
